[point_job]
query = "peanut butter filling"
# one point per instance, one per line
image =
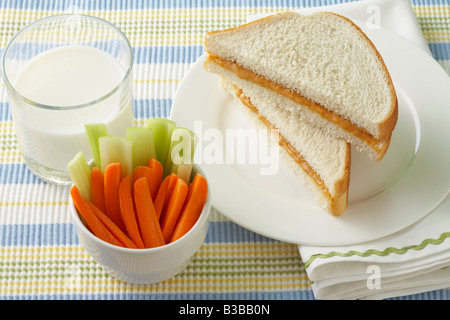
(285, 144)
(345, 124)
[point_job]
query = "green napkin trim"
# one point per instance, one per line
(385, 252)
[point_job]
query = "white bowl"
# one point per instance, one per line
(146, 266)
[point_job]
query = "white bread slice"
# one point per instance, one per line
(320, 161)
(325, 64)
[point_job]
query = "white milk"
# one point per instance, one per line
(64, 77)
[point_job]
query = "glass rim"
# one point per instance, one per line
(12, 90)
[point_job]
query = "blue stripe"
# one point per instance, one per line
(155, 54)
(443, 294)
(15, 173)
(190, 54)
(65, 234)
(440, 50)
(62, 5)
(153, 108)
(272, 295)
(430, 2)
(5, 113)
(38, 235)
(143, 108)
(168, 54)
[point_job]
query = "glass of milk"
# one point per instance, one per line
(62, 72)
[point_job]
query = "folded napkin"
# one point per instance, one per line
(408, 262)
(412, 261)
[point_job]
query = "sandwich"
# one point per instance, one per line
(319, 84)
(329, 72)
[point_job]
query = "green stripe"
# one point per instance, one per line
(273, 263)
(385, 252)
(215, 267)
(100, 273)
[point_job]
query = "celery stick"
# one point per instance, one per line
(143, 145)
(162, 129)
(183, 171)
(80, 173)
(182, 148)
(116, 149)
(94, 131)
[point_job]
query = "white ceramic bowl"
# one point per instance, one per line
(146, 266)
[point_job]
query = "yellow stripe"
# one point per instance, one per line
(145, 81)
(432, 10)
(67, 257)
(40, 253)
(244, 254)
(16, 154)
(175, 285)
(33, 203)
(140, 122)
(7, 130)
(244, 249)
(144, 14)
(12, 160)
(39, 249)
(207, 249)
(149, 16)
(437, 39)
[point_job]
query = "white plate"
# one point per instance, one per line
(384, 197)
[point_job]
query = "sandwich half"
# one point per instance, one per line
(329, 72)
(322, 162)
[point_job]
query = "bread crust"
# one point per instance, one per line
(340, 201)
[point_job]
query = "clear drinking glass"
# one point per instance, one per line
(62, 72)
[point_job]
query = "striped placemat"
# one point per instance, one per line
(40, 256)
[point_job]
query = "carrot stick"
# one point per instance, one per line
(159, 200)
(174, 206)
(163, 193)
(172, 183)
(153, 172)
(128, 212)
(192, 208)
(112, 227)
(112, 177)
(149, 224)
(155, 178)
(98, 188)
(139, 172)
(94, 224)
